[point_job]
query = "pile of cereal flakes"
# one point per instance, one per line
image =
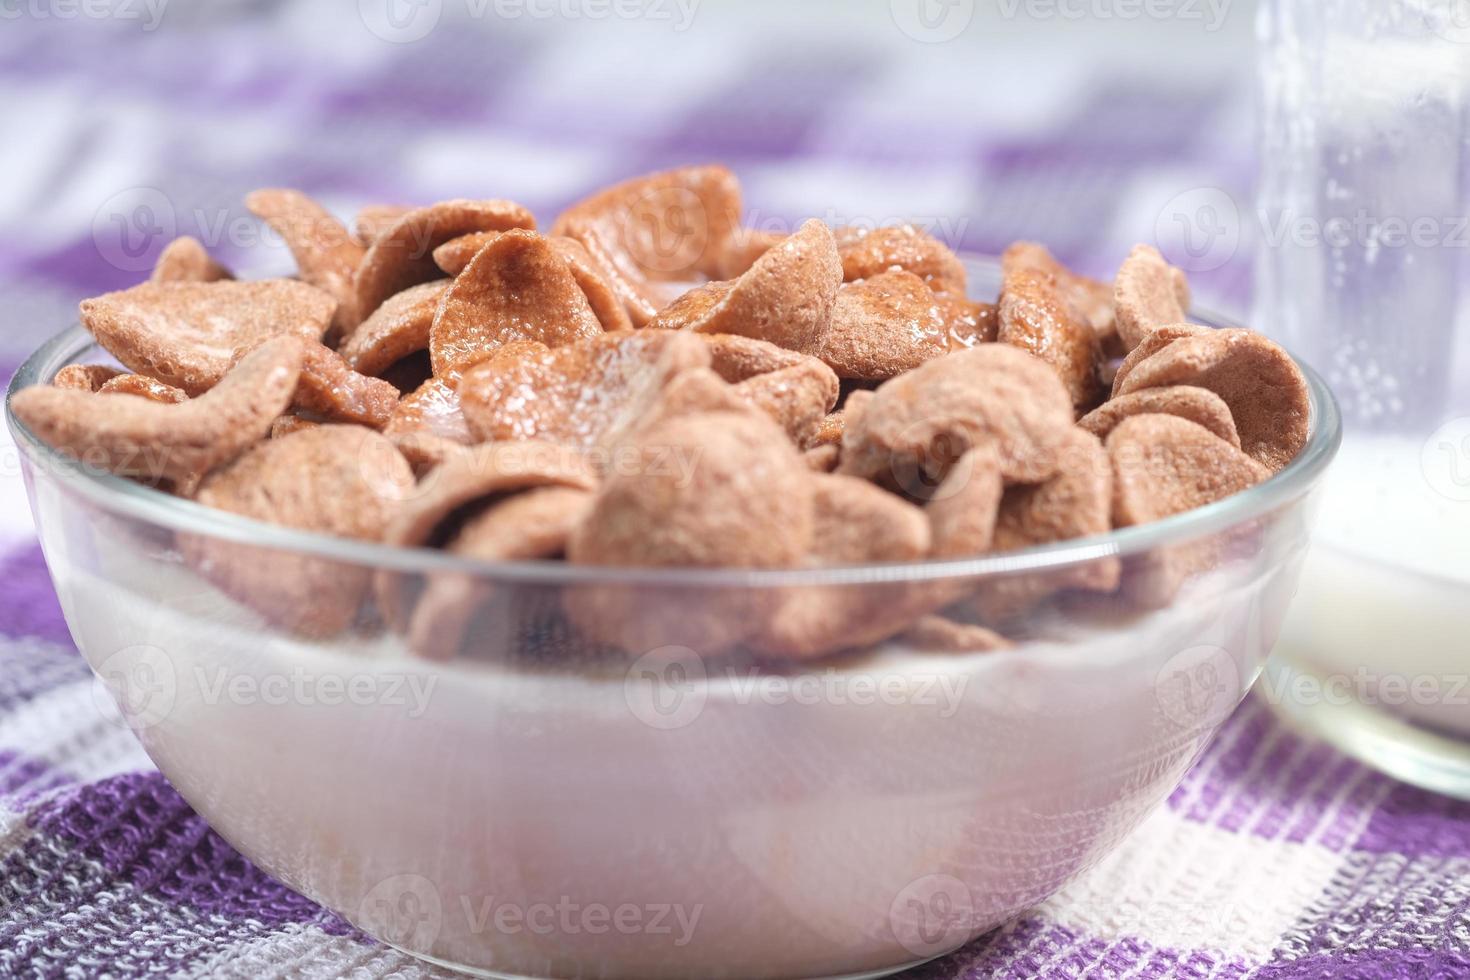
(648, 384)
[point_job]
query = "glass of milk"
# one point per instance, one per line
(1364, 271)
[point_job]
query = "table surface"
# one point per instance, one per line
(1276, 857)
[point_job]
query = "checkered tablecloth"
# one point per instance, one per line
(1275, 858)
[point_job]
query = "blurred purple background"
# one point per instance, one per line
(1087, 124)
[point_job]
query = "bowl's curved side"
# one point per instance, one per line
(811, 824)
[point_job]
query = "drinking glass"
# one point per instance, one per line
(1364, 213)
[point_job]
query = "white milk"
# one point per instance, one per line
(1384, 604)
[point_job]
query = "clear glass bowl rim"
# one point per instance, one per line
(155, 507)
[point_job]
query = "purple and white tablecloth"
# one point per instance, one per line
(1275, 858)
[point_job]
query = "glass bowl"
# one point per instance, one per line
(539, 806)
